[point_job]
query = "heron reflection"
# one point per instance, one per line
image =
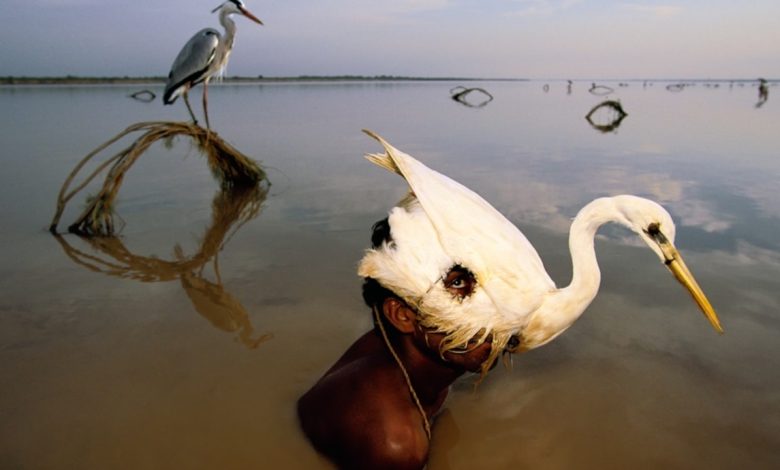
(231, 209)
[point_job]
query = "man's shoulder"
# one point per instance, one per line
(362, 412)
(369, 383)
(377, 436)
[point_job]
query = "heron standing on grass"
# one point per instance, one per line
(204, 56)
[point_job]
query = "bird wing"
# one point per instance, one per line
(473, 232)
(191, 66)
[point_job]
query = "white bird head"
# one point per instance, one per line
(655, 226)
(233, 7)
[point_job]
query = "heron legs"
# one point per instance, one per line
(189, 108)
(206, 103)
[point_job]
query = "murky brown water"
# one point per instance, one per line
(133, 353)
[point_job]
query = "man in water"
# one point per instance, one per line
(373, 408)
(452, 285)
(433, 321)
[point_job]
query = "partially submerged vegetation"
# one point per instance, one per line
(229, 166)
(610, 121)
(460, 94)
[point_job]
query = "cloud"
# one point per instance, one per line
(660, 11)
(541, 7)
(422, 5)
(62, 3)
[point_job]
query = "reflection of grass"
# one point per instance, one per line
(229, 166)
(231, 208)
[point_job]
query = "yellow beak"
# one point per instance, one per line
(677, 266)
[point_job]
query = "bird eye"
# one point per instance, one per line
(653, 229)
(460, 282)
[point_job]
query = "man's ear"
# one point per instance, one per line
(399, 314)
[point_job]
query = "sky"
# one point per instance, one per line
(538, 39)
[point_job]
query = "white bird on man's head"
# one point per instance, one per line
(204, 56)
(442, 227)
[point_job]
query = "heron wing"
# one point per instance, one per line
(192, 64)
(473, 231)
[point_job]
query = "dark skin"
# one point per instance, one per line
(361, 413)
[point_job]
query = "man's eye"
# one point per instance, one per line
(460, 282)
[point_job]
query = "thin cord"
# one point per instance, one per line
(416, 399)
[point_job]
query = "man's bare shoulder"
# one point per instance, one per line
(360, 414)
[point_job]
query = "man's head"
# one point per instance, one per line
(475, 353)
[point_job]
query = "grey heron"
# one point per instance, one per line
(204, 56)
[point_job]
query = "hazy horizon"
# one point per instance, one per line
(372, 77)
(533, 39)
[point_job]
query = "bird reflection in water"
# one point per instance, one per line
(606, 116)
(231, 209)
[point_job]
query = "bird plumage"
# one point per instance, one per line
(192, 64)
(204, 56)
(443, 224)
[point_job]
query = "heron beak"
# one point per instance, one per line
(250, 16)
(681, 272)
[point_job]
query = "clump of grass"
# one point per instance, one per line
(228, 165)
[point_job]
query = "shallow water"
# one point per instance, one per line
(101, 369)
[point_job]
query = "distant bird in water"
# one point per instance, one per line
(205, 55)
(763, 92)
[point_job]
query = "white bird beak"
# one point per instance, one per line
(677, 266)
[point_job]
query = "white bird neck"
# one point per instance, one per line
(229, 25)
(566, 305)
(586, 276)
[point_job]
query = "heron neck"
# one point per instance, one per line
(229, 25)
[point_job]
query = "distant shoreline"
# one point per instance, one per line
(76, 80)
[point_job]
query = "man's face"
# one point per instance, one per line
(469, 358)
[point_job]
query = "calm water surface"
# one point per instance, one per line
(104, 365)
